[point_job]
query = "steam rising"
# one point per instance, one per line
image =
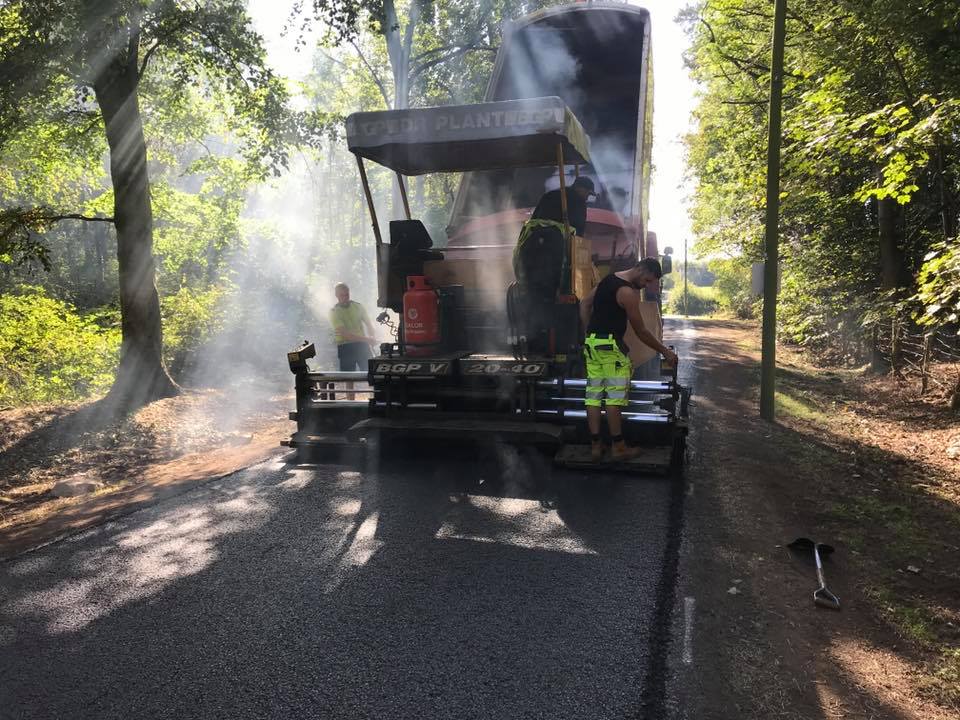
(583, 61)
(310, 229)
(302, 233)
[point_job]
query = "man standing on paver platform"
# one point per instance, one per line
(605, 313)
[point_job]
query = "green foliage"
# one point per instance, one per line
(214, 118)
(19, 244)
(420, 52)
(699, 301)
(698, 272)
(239, 262)
(48, 168)
(733, 287)
(870, 113)
(191, 318)
(72, 61)
(49, 352)
(411, 54)
(56, 48)
(939, 285)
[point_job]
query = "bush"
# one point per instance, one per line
(827, 322)
(700, 300)
(191, 318)
(939, 285)
(733, 287)
(51, 353)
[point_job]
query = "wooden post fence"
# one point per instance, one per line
(925, 365)
(895, 346)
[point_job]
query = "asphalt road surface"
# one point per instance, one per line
(485, 585)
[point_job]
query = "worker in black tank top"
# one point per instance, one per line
(608, 319)
(605, 313)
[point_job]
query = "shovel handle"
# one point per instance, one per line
(816, 557)
(823, 596)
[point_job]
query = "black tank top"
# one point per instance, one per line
(608, 318)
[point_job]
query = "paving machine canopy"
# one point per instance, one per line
(458, 138)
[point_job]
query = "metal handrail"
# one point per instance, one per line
(630, 403)
(646, 385)
(354, 376)
(627, 416)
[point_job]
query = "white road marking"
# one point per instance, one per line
(688, 606)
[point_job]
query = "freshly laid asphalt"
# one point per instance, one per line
(486, 584)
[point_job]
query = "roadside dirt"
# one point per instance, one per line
(163, 449)
(854, 462)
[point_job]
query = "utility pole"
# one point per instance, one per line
(768, 362)
(686, 306)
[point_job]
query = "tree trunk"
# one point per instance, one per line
(419, 196)
(893, 273)
(398, 50)
(100, 245)
(877, 363)
(141, 376)
(73, 263)
(948, 216)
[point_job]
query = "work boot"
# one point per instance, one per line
(622, 453)
(596, 451)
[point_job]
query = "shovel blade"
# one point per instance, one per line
(825, 598)
(807, 544)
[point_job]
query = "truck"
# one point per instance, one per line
(482, 351)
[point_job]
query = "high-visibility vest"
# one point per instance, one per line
(519, 269)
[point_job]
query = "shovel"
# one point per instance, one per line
(821, 596)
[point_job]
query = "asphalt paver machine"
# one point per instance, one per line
(478, 355)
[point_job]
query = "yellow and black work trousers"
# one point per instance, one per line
(608, 372)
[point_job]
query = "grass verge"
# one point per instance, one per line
(892, 496)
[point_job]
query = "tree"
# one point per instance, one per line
(419, 53)
(422, 38)
(869, 175)
(102, 51)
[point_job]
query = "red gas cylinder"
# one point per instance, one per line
(421, 317)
